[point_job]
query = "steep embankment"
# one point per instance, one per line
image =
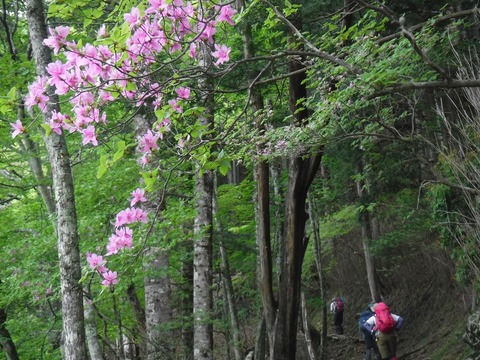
(417, 281)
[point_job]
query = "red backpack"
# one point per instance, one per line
(338, 304)
(384, 321)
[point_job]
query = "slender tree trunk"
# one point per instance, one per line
(227, 286)
(260, 340)
(94, 349)
(67, 236)
(158, 310)
(262, 212)
(202, 255)
(187, 309)
(367, 237)
(306, 328)
(139, 314)
(313, 215)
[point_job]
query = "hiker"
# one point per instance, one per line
(371, 349)
(336, 308)
(383, 325)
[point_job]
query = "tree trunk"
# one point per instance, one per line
(187, 308)
(158, 311)
(139, 315)
(314, 216)
(262, 211)
(260, 340)
(306, 329)
(67, 236)
(227, 286)
(302, 170)
(367, 237)
(202, 254)
(94, 349)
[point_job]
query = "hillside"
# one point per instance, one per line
(418, 283)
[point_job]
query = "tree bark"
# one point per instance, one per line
(158, 311)
(139, 314)
(262, 210)
(367, 237)
(93, 342)
(313, 215)
(67, 236)
(306, 328)
(302, 170)
(187, 307)
(202, 254)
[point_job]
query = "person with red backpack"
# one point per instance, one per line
(384, 325)
(336, 308)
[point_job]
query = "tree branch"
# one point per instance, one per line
(450, 84)
(319, 53)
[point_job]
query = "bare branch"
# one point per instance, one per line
(319, 53)
(447, 84)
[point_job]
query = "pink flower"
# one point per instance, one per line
(156, 5)
(124, 237)
(122, 218)
(193, 49)
(209, 31)
(102, 32)
(144, 161)
(57, 38)
(95, 260)
(140, 215)
(109, 278)
(149, 142)
(138, 195)
(183, 92)
(222, 54)
(112, 246)
(36, 94)
(133, 18)
(58, 121)
(129, 216)
(226, 13)
(174, 104)
(89, 136)
(56, 69)
(17, 128)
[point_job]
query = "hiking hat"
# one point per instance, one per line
(372, 306)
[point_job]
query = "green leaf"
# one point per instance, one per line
(12, 94)
(48, 129)
(149, 178)
(102, 168)
(120, 151)
(224, 166)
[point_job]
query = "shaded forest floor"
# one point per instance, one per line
(433, 333)
(418, 284)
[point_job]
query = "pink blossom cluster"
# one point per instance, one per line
(93, 76)
(121, 239)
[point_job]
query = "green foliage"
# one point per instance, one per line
(410, 222)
